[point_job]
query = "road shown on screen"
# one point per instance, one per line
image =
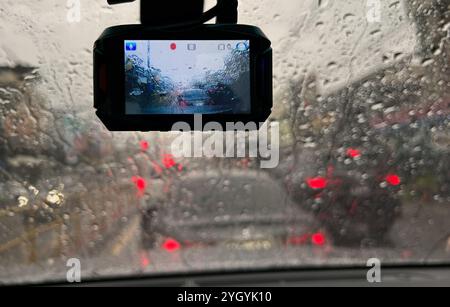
(187, 77)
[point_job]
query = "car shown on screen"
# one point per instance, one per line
(222, 94)
(194, 97)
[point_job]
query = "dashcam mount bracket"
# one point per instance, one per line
(179, 13)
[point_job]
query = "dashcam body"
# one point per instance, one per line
(148, 79)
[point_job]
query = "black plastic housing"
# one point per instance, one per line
(109, 75)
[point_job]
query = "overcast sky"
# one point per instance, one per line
(189, 59)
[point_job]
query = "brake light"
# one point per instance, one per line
(144, 145)
(168, 161)
(140, 183)
(353, 153)
(393, 179)
(317, 182)
(145, 262)
(171, 245)
(318, 239)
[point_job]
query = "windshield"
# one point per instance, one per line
(361, 101)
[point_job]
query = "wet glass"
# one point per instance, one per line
(361, 95)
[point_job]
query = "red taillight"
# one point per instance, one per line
(144, 145)
(318, 239)
(168, 161)
(317, 183)
(145, 262)
(353, 153)
(171, 245)
(140, 183)
(393, 179)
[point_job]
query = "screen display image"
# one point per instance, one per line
(187, 77)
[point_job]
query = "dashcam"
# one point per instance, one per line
(149, 77)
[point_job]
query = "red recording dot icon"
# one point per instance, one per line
(173, 46)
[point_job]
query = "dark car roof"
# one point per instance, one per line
(240, 194)
(194, 93)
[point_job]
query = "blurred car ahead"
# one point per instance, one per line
(239, 210)
(355, 207)
(194, 97)
(221, 93)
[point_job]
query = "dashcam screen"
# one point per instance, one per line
(187, 77)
